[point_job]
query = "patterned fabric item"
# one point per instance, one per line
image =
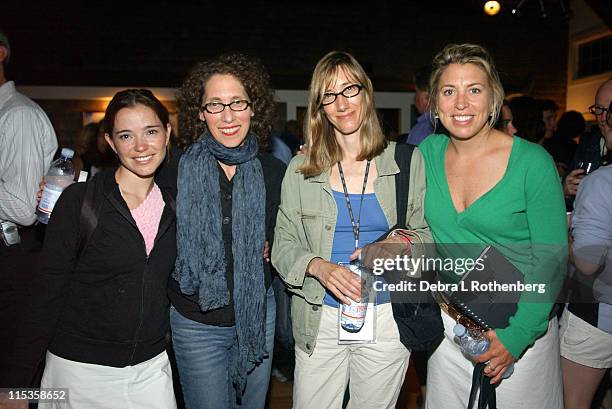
(27, 146)
(200, 265)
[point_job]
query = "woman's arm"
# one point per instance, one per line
(416, 203)
(545, 213)
(546, 220)
(46, 296)
(295, 261)
(419, 237)
(290, 252)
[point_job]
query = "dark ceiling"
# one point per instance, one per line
(154, 43)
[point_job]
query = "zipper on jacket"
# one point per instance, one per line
(141, 319)
(142, 287)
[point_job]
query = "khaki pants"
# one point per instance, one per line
(374, 372)
(583, 343)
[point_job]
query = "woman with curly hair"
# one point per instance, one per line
(223, 308)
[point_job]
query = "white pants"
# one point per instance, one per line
(535, 384)
(147, 385)
(375, 372)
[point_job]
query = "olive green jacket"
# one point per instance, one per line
(305, 228)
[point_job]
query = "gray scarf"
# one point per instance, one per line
(200, 263)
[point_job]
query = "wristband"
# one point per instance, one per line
(403, 234)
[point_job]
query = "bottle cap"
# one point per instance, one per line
(459, 330)
(67, 153)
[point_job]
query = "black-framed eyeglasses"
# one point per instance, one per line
(218, 107)
(598, 110)
(348, 92)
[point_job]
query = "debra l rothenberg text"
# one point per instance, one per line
(473, 286)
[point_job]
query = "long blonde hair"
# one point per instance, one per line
(323, 149)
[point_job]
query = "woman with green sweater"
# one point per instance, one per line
(488, 188)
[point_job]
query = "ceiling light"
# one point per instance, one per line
(492, 7)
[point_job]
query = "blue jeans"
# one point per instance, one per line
(202, 356)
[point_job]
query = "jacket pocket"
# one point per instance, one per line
(312, 223)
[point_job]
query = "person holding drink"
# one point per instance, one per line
(485, 187)
(335, 198)
(586, 324)
(594, 147)
(99, 309)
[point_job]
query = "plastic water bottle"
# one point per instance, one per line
(352, 316)
(474, 343)
(60, 175)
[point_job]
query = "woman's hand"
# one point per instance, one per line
(6, 403)
(389, 248)
(266, 251)
(498, 357)
(343, 283)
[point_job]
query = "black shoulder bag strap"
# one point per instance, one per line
(90, 211)
(403, 156)
(487, 398)
(418, 321)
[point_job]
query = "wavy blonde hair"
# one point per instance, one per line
(324, 151)
(466, 54)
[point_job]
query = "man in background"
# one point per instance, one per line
(27, 146)
(549, 109)
(423, 126)
(594, 148)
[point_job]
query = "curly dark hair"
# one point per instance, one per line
(255, 80)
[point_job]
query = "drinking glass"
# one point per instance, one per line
(587, 166)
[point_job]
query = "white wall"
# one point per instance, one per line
(399, 100)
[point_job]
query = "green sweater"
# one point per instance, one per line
(523, 216)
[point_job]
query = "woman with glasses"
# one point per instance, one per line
(223, 308)
(487, 188)
(336, 198)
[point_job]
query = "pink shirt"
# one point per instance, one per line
(147, 216)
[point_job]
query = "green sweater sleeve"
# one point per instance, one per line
(545, 211)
